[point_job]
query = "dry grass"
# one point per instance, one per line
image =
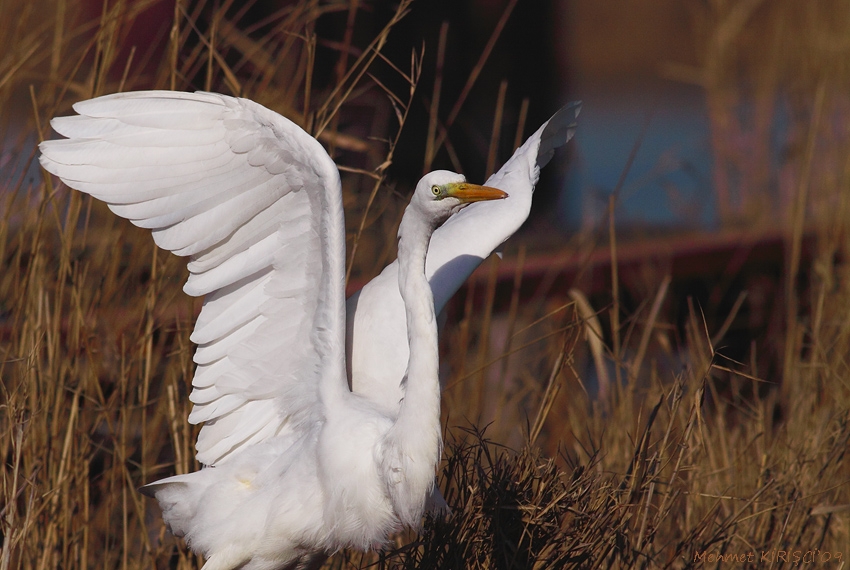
(665, 465)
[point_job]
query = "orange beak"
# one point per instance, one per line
(466, 192)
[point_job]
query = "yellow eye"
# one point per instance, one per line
(435, 190)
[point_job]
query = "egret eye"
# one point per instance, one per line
(435, 190)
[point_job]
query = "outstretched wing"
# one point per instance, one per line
(377, 329)
(255, 202)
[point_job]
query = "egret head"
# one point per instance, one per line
(442, 193)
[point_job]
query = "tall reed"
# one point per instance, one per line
(571, 438)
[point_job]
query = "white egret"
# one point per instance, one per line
(298, 464)
(376, 339)
(253, 199)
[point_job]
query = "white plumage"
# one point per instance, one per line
(220, 179)
(376, 340)
(299, 465)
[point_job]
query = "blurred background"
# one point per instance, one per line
(691, 240)
(705, 176)
(692, 141)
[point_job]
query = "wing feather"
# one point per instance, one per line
(182, 204)
(236, 429)
(150, 172)
(255, 202)
(378, 349)
(132, 191)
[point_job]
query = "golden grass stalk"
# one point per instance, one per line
(686, 456)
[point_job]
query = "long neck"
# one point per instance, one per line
(422, 389)
(414, 442)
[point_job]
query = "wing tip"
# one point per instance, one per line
(558, 131)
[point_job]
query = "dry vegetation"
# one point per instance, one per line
(665, 465)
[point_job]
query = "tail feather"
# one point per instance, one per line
(179, 498)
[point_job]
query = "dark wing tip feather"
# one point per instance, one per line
(559, 129)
